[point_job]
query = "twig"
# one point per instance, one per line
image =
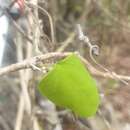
(97, 72)
(19, 118)
(49, 17)
(36, 124)
(94, 50)
(65, 43)
(34, 60)
(20, 30)
(26, 64)
(24, 96)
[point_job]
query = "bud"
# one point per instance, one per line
(17, 9)
(21, 4)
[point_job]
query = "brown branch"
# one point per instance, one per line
(43, 58)
(25, 64)
(99, 73)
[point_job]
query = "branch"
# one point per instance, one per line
(106, 74)
(94, 50)
(25, 64)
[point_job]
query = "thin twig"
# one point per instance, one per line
(20, 30)
(97, 72)
(22, 97)
(94, 50)
(25, 64)
(49, 17)
(20, 113)
(66, 43)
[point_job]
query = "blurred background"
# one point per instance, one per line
(107, 24)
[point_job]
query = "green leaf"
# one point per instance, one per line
(70, 85)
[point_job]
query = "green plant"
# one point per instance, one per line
(70, 85)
